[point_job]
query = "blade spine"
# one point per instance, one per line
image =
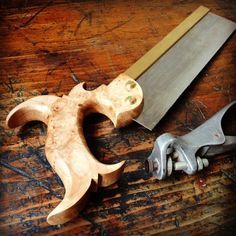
(142, 64)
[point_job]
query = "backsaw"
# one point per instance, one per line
(162, 75)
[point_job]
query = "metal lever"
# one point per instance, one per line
(188, 152)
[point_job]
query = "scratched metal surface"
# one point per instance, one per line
(48, 47)
(175, 70)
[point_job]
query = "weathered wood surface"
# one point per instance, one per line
(46, 47)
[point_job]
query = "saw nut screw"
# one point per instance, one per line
(130, 85)
(131, 100)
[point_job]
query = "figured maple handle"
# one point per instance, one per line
(66, 148)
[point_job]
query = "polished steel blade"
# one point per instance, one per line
(169, 76)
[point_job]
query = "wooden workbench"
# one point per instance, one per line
(47, 47)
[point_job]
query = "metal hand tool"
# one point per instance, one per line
(189, 152)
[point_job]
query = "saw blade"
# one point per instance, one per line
(166, 79)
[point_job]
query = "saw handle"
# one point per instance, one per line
(66, 148)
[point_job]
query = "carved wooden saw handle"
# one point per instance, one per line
(66, 147)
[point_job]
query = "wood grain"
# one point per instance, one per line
(46, 48)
